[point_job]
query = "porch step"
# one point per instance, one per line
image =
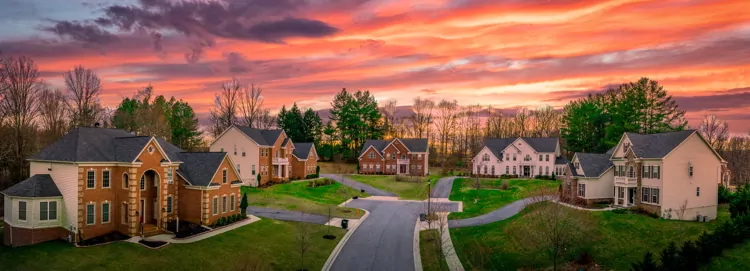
(151, 230)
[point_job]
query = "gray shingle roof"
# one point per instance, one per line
(657, 145)
(561, 160)
(199, 167)
(497, 145)
(413, 144)
(302, 150)
(88, 144)
(542, 144)
(593, 164)
(262, 137)
(37, 186)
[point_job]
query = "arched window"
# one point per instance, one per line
(479, 169)
(631, 172)
(527, 158)
(546, 157)
(493, 170)
(485, 169)
(125, 180)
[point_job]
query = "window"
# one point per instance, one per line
(625, 147)
(215, 206)
(479, 169)
(540, 157)
(620, 192)
(656, 172)
(105, 212)
(546, 157)
(540, 170)
(646, 197)
(125, 183)
(393, 156)
(253, 170)
(232, 202)
(222, 149)
(90, 179)
(105, 179)
(224, 176)
(507, 170)
(47, 210)
(546, 171)
(631, 172)
(690, 170)
(527, 158)
(150, 149)
(486, 157)
(697, 191)
(169, 204)
(90, 214)
(22, 210)
(507, 157)
(514, 157)
(371, 155)
(235, 149)
(170, 175)
(493, 170)
(377, 167)
(582, 190)
(655, 195)
(143, 182)
(124, 213)
(514, 170)
(243, 154)
(647, 172)
(485, 169)
(224, 204)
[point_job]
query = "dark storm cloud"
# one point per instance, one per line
(714, 102)
(88, 33)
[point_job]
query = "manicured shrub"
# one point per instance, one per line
(740, 203)
(725, 196)
(243, 204)
(317, 171)
(258, 178)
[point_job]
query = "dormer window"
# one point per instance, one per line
(577, 165)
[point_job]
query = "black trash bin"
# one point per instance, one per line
(345, 223)
(422, 217)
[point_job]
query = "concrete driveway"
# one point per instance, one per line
(287, 215)
(385, 240)
(357, 185)
(443, 187)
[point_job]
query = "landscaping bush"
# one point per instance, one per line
(317, 171)
(692, 254)
(320, 182)
(725, 196)
(311, 176)
(243, 204)
(740, 204)
(508, 176)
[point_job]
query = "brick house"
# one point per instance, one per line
(304, 160)
(674, 175)
(265, 152)
(404, 156)
(94, 181)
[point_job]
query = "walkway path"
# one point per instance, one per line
(287, 215)
(169, 237)
(443, 187)
(357, 185)
(502, 213)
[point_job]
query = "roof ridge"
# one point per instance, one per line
(134, 136)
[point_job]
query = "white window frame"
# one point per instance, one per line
(170, 202)
(223, 204)
(698, 191)
(253, 170)
(582, 190)
(25, 210)
(655, 195)
(546, 157)
(92, 213)
(224, 175)
(125, 180)
(142, 185)
(170, 175)
(93, 179)
(109, 212)
(107, 175)
(371, 155)
(49, 211)
(232, 202)
(215, 205)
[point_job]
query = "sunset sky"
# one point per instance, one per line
(505, 53)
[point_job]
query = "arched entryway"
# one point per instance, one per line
(149, 197)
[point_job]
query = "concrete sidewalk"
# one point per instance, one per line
(169, 238)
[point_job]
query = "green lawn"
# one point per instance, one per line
(615, 240)
(737, 258)
(270, 244)
(429, 245)
(297, 196)
(415, 189)
(490, 196)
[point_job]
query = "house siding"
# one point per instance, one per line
(520, 148)
(235, 138)
(599, 188)
(65, 176)
(679, 187)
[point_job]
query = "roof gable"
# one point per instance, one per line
(657, 145)
(542, 144)
(593, 164)
(261, 137)
(199, 168)
(415, 144)
(498, 145)
(303, 150)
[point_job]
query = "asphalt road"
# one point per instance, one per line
(385, 240)
(357, 185)
(443, 187)
(287, 215)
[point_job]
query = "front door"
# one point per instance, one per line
(526, 171)
(143, 211)
(401, 169)
(631, 196)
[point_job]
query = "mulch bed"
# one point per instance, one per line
(153, 244)
(187, 229)
(103, 239)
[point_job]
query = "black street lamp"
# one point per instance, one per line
(429, 192)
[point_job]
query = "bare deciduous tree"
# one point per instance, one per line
(265, 120)
(53, 115)
(304, 242)
(422, 117)
(715, 131)
(547, 121)
(224, 113)
(446, 125)
(737, 155)
(84, 88)
(251, 105)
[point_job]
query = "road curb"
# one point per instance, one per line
(417, 252)
(340, 245)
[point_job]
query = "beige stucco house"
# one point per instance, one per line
(521, 156)
(674, 175)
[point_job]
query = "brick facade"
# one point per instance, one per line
(15, 236)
